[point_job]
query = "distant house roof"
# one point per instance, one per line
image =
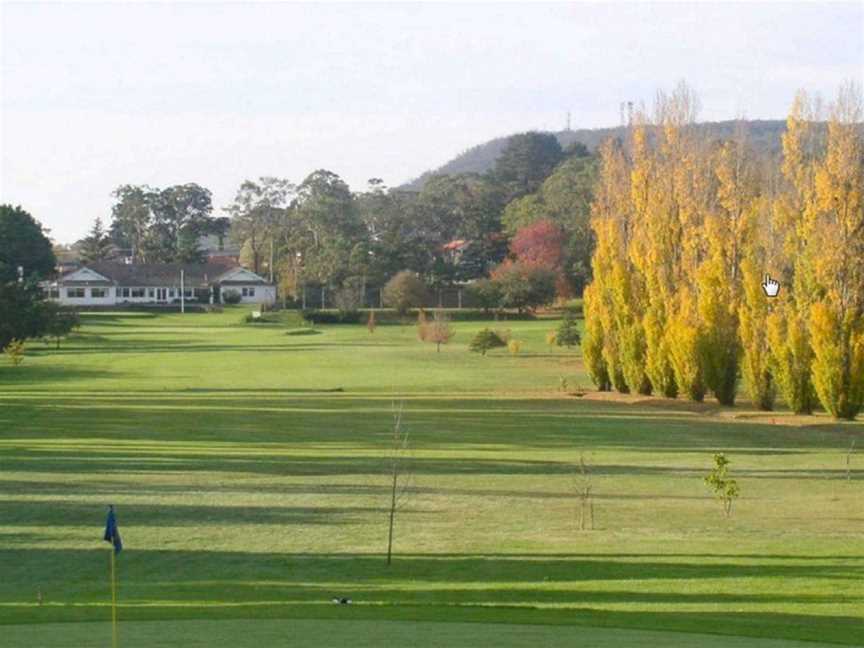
(458, 244)
(160, 274)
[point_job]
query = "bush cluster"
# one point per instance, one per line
(486, 340)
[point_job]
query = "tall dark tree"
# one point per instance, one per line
(132, 215)
(397, 233)
(161, 225)
(181, 215)
(23, 244)
(464, 208)
(526, 162)
(97, 246)
(257, 218)
(323, 227)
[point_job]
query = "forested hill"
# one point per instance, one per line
(764, 135)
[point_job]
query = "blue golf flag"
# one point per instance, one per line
(112, 533)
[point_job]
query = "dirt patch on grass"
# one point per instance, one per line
(742, 411)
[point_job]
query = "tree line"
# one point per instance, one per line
(687, 230)
(522, 227)
(320, 232)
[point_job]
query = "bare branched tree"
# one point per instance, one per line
(584, 491)
(400, 476)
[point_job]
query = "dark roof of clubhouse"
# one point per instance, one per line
(158, 274)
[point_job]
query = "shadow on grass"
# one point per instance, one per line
(52, 513)
(434, 422)
(141, 347)
(30, 374)
(125, 460)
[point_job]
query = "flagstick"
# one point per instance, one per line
(114, 643)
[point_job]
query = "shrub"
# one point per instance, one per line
(438, 331)
(332, 317)
(504, 334)
(231, 297)
(303, 331)
(486, 294)
(484, 341)
(567, 334)
(405, 291)
(523, 287)
(477, 315)
(15, 351)
(514, 347)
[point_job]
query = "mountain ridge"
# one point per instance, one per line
(763, 134)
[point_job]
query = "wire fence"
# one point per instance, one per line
(321, 297)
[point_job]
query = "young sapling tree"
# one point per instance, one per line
(725, 488)
(439, 330)
(399, 475)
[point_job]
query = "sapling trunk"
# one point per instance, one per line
(392, 511)
(397, 485)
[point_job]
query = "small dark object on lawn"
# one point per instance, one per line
(342, 601)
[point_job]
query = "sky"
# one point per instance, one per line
(93, 96)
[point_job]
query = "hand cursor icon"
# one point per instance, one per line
(770, 286)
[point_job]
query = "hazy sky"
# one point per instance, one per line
(96, 95)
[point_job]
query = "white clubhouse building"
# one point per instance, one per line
(115, 284)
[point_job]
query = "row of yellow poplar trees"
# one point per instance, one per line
(687, 230)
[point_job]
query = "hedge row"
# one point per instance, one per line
(386, 316)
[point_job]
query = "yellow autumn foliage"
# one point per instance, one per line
(686, 232)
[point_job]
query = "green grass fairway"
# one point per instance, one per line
(304, 633)
(248, 466)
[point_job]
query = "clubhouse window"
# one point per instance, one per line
(138, 293)
(189, 293)
(98, 293)
(248, 292)
(123, 292)
(54, 293)
(151, 293)
(171, 292)
(75, 293)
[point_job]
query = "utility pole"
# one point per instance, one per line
(182, 291)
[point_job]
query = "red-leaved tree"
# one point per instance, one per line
(541, 245)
